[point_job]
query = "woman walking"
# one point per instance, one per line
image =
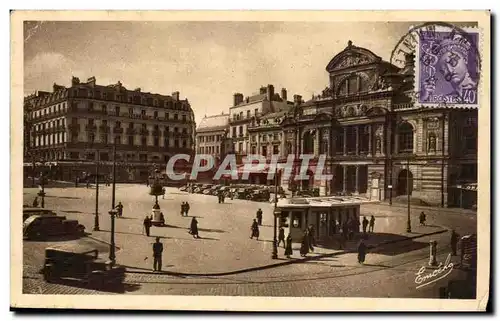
(288, 247)
(304, 246)
(361, 251)
(255, 229)
(194, 228)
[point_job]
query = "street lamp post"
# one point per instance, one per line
(112, 256)
(42, 191)
(114, 177)
(408, 226)
(96, 218)
(275, 216)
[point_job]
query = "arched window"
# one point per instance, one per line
(405, 137)
(350, 86)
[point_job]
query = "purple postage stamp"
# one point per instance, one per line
(448, 67)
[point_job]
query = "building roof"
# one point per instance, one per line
(215, 122)
(328, 201)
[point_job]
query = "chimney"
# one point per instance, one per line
(270, 92)
(297, 100)
(175, 95)
(262, 90)
(75, 81)
(91, 81)
(283, 94)
(237, 99)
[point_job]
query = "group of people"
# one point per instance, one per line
(185, 209)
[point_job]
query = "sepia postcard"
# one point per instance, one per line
(250, 160)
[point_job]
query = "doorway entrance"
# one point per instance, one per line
(405, 182)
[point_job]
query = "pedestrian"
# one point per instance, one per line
(76, 181)
(194, 228)
(162, 219)
(288, 248)
(361, 251)
(365, 224)
(147, 225)
(454, 242)
(182, 208)
(255, 229)
(187, 209)
(157, 252)
(372, 224)
(312, 239)
(357, 223)
(88, 183)
(281, 237)
(342, 240)
(304, 246)
(259, 216)
(35, 202)
(333, 227)
(163, 195)
(119, 209)
(422, 218)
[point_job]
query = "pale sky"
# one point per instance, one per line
(205, 61)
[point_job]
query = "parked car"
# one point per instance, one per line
(30, 211)
(259, 195)
(82, 263)
(41, 227)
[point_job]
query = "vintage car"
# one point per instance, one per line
(80, 262)
(38, 227)
(259, 195)
(30, 211)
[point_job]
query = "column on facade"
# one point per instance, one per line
(344, 178)
(317, 141)
(357, 139)
(369, 139)
(345, 141)
(356, 187)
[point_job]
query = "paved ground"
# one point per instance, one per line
(225, 246)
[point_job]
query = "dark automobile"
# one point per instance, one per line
(30, 211)
(40, 227)
(259, 195)
(81, 263)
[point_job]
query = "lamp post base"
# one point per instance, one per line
(275, 251)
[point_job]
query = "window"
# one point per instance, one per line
(405, 137)
(241, 130)
(248, 113)
(184, 143)
(131, 111)
(176, 143)
(104, 109)
(256, 112)
(117, 111)
(156, 141)
(144, 126)
(470, 135)
(144, 141)
(131, 140)
(90, 121)
(143, 112)
(234, 131)
(131, 125)
(155, 115)
(166, 143)
(104, 122)
(90, 106)
(276, 149)
(91, 138)
(240, 147)
(143, 157)
(184, 118)
(118, 124)
(217, 149)
(176, 130)
(264, 151)
(105, 138)
(176, 117)
(118, 139)
(167, 116)
(254, 150)
(297, 219)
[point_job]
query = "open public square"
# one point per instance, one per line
(226, 261)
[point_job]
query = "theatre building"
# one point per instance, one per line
(71, 129)
(378, 142)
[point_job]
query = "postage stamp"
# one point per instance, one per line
(447, 66)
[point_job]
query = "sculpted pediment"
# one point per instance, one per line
(352, 56)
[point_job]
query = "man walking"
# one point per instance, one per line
(157, 252)
(119, 208)
(372, 224)
(259, 217)
(281, 237)
(147, 225)
(422, 218)
(365, 224)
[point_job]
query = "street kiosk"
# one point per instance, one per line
(325, 214)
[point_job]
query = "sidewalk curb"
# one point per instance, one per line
(273, 265)
(102, 241)
(431, 208)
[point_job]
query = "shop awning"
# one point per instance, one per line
(324, 202)
(467, 187)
